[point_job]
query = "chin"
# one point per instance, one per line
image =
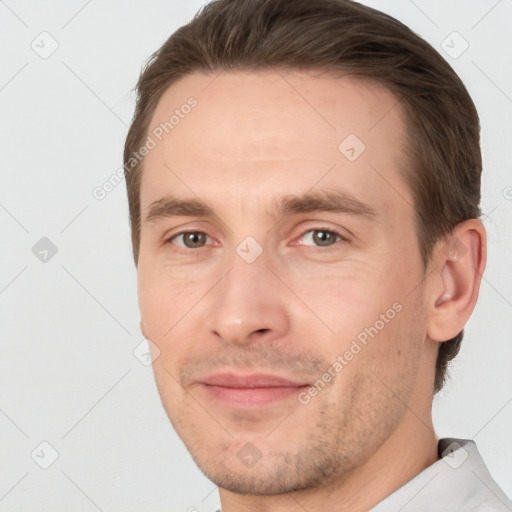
(273, 473)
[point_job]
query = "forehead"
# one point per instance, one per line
(286, 131)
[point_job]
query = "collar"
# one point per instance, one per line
(458, 481)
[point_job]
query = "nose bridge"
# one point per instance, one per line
(246, 300)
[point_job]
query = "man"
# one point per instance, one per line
(304, 186)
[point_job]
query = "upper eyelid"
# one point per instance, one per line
(328, 230)
(180, 233)
(342, 237)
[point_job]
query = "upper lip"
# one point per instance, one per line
(255, 380)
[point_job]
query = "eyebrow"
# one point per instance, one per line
(326, 201)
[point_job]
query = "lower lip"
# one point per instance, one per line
(251, 397)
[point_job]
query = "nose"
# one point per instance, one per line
(248, 304)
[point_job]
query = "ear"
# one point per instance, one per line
(458, 266)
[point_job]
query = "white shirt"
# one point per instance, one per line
(458, 482)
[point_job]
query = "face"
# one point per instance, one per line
(278, 275)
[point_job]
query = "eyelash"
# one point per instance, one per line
(325, 230)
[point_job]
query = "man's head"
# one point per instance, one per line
(323, 162)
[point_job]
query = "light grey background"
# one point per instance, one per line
(69, 326)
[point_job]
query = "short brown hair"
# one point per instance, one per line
(443, 130)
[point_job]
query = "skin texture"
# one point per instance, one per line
(252, 139)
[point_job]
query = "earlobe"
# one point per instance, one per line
(459, 265)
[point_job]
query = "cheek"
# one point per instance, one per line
(346, 300)
(395, 352)
(164, 298)
(152, 301)
(380, 365)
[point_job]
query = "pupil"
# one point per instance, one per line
(194, 239)
(322, 237)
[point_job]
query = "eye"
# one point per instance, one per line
(320, 237)
(189, 239)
